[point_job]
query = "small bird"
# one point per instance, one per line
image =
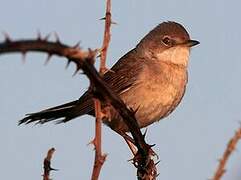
(151, 80)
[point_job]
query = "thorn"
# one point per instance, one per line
(130, 160)
(24, 57)
(76, 71)
(47, 37)
(101, 19)
(144, 135)
(157, 163)
(152, 145)
(56, 37)
(39, 37)
(92, 142)
(77, 45)
(48, 59)
(53, 169)
(152, 153)
(67, 64)
(6, 36)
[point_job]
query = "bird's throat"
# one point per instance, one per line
(178, 55)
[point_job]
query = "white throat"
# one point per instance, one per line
(178, 55)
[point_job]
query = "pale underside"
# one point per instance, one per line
(158, 90)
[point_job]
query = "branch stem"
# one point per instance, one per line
(99, 158)
(229, 150)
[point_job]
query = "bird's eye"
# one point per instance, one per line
(167, 41)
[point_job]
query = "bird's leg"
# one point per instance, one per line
(130, 143)
(131, 146)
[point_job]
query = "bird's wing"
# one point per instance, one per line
(121, 76)
(124, 73)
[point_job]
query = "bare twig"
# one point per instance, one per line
(107, 37)
(47, 164)
(99, 157)
(223, 161)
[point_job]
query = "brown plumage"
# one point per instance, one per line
(150, 79)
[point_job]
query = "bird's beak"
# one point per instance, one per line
(191, 43)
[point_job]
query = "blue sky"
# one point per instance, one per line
(188, 142)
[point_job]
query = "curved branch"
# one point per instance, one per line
(84, 60)
(73, 54)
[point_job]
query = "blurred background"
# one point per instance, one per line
(188, 142)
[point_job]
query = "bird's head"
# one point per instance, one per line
(169, 42)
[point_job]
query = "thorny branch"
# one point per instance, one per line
(99, 157)
(85, 60)
(42, 45)
(47, 164)
(223, 161)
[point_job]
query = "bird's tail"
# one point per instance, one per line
(62, 113)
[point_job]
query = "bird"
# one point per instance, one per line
(150, 79)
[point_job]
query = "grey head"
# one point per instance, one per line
(169, 42)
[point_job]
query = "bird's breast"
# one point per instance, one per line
(156, 93)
